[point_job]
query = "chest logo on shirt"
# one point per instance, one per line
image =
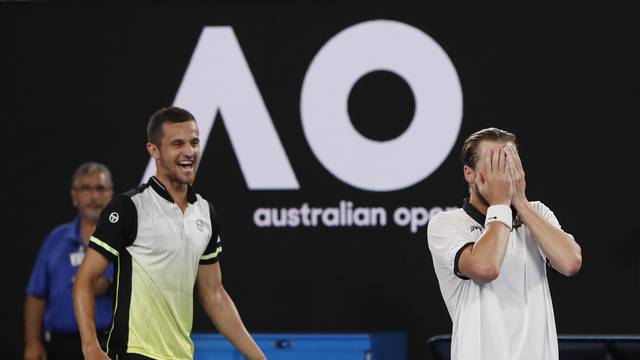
(114, 217)
(200, 225)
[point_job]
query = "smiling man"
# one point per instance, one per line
(163, 238)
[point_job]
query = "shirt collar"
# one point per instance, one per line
(162, 190)
(473, 212)
(76, 231)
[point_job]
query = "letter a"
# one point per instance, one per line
(218, 79)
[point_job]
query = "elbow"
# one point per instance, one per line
(212, 295)
(573, 267)
(480, 271)
(573, 264)
(83, 284)
(487, 274)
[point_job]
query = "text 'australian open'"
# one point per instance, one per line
(345, 214)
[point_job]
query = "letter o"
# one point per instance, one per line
(411, 54)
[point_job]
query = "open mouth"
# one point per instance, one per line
(186, 165)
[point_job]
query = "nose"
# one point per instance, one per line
(189, 150)
(95, 193)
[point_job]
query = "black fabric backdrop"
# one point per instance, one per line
(80, 80)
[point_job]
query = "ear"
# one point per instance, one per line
(469, 174)
(153, 150)
(73, 198)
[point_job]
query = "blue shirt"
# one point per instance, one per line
(52, 280)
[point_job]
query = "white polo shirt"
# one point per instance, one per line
(510, 318)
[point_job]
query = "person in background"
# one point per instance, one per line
(49, 301)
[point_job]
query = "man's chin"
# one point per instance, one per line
(186, 179)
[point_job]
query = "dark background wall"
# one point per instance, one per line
(80, 80)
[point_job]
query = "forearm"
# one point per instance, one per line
(488, 253)
(84, 307)
(33, 315)
(222, 311)
(560, 248)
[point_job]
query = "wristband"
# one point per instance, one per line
(501, 213)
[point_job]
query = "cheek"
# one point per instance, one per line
(167, 155)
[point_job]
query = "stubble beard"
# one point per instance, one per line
(175, 178)
(479, 196)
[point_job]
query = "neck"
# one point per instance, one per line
(478, 202)
(87, 228)
(178, 191)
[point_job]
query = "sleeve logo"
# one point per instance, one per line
(114, 217)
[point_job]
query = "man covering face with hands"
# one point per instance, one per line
(492, 255)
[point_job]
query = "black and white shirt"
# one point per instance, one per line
(156, 250)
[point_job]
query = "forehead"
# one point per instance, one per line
(485, 145)
(181, 130)
(94, 177)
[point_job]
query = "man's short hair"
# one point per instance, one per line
(170, 114)
(90, 168)
(469, 154)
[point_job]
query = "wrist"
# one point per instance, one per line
(500, 213)
(88, 348)
(520, 203)
(31, 342)
(33, 338)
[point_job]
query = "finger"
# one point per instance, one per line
(503, 161)
(510, 163)
(487, 160)
(495, 159)
(516, 156)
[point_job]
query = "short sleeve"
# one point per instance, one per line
(38, 282)
(213, 250)
(116, 228)
(447, 239)
(549, 216)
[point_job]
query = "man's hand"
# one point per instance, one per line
(517, 174)
(494, 178)
(35, 351)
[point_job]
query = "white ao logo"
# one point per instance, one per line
(218, 79)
